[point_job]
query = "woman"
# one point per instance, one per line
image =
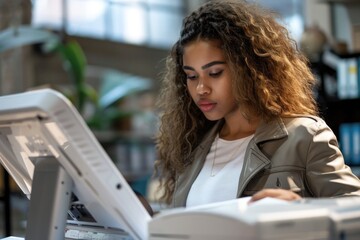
(239, 117)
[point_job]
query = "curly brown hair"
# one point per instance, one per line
(271, 78)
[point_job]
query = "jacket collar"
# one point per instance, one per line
(272, 130)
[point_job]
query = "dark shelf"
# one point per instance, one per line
(336, 112)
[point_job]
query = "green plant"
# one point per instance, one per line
(115, 87)
(75, 63)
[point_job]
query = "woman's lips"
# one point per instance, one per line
(206, 106)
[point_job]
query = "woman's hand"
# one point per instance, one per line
(275, 193)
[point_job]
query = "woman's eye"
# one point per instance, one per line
(216, 74)
(191, 77)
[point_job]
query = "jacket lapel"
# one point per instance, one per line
(254, 161)
(257, 156)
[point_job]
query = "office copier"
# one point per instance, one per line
(268, 219)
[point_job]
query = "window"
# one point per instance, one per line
(154, 23)
(291, 12)
(148, 22)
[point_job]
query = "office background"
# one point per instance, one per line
(121, 45)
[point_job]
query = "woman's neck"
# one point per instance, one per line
(240, 127)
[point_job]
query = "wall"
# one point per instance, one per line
(139, 60)
(16, 70)
(339, 19)
(347, 27)
(318, 13)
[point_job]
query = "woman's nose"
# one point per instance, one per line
(202, 88)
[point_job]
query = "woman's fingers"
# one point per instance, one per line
(275, 193)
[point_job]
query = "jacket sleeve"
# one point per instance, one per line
(326, 172)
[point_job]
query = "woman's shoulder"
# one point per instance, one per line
(309, 123)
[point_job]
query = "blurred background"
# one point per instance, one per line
(107, 57)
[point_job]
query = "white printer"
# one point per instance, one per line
(267, 219)
(344, 214)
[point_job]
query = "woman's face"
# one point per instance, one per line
(208, 79)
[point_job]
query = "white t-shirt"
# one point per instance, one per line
(219, 178)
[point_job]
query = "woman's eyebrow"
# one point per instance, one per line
(210, 64)
(188, 68)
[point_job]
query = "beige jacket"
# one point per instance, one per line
(300, 154)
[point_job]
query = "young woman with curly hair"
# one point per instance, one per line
(239, 117)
